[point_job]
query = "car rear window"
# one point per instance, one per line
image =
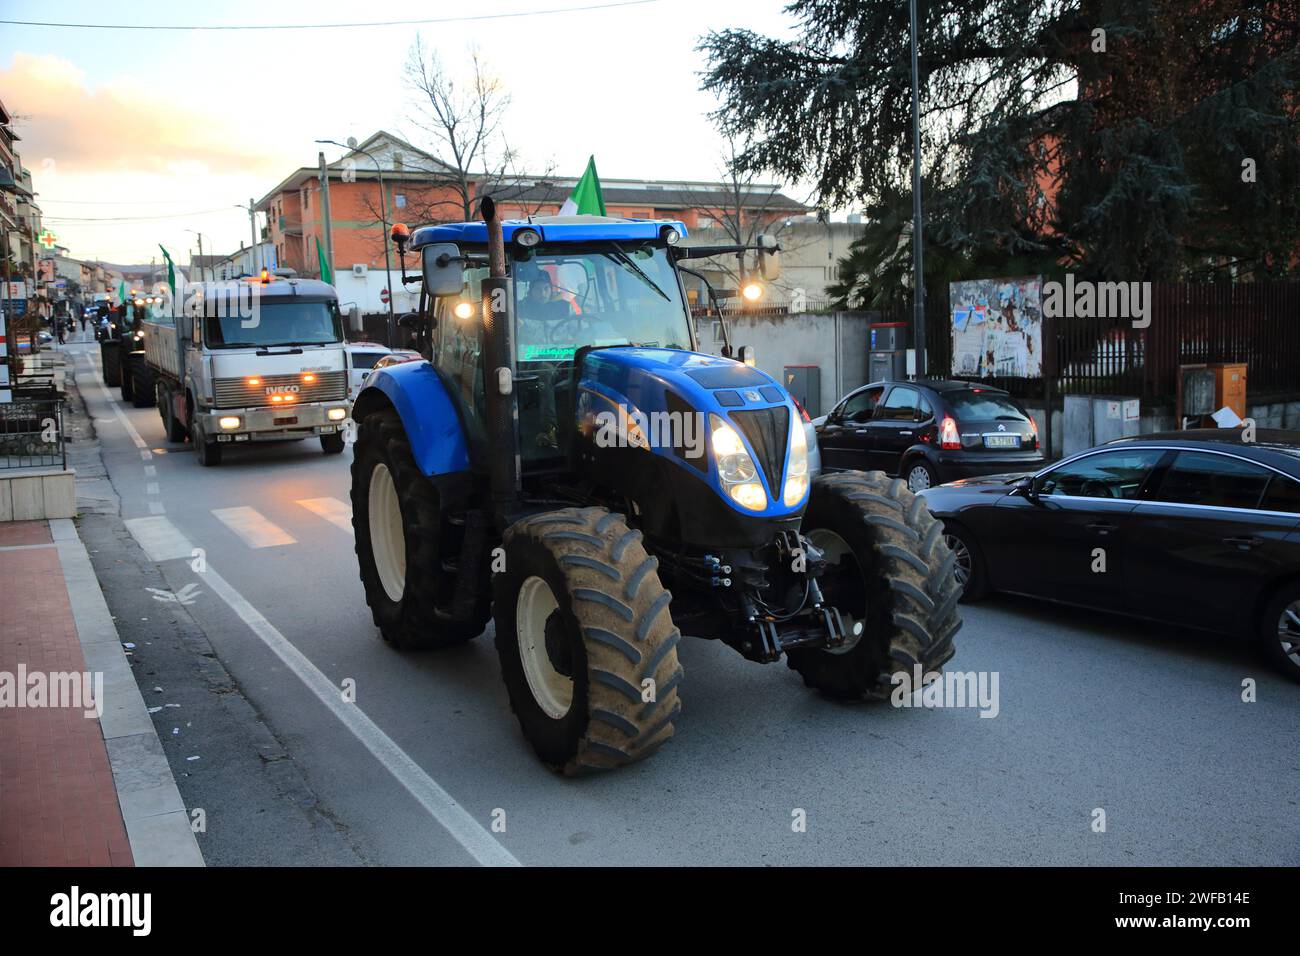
(973, 406)
(1204, 478)
(366, 359)
(1283, 494)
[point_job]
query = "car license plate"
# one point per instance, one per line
(1001, 441)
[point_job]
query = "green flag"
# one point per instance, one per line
(171, 271)
(121, 291)
(326, 274)
(586, 199)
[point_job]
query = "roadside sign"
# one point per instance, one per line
(383, 296)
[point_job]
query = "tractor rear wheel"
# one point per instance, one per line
(404, 545)
(125, 381)
(890, 575)
(587, 644)
(143, 390)
(110, 359)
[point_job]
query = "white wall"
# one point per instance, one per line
(364, 291)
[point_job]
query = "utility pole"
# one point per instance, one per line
(253, 253)
(327, 225)
(918, 278)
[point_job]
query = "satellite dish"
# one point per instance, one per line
(352, 142)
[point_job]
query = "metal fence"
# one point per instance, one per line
(31, 433)
(1190, 322)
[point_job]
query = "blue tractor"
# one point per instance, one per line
(566, 454)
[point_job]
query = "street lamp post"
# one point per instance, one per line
(383, 221)
(918, 280)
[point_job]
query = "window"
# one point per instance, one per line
(1283, 494)
(1204, 478)
(860, 407)
(975, 406)
(902, 404)
(924, 410)
(1107, 474)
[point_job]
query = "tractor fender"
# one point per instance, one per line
(419, 396)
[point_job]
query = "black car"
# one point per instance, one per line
(1194, 528)
(929, 432)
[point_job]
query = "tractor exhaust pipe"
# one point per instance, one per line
(499, 364)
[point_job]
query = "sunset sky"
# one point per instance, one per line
(134, 137)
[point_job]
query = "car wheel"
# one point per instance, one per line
(919, 475)
(970, 571)
(1280, 631)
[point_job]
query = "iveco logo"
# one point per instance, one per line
(280, 389)
(1002, 428)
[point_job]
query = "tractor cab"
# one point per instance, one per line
(576, 284)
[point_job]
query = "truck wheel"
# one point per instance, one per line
(587, 644)
(110, 359)
(172, 425)
(400, 531)
(892, 578)
(209, 451)
(332, 444)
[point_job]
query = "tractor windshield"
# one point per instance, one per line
(609, 294)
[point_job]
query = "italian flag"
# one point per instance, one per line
(586, 199)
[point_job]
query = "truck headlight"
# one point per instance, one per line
(337, 414)
(796, 472)
(229, 422)
(736, 469)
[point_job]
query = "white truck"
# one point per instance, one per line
(260, 359)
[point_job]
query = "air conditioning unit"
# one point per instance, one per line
(360, 269)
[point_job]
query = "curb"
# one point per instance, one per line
(157, 823)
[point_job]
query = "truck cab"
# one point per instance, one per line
(249, 360)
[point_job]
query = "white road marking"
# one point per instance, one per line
(467, 831)
(332, 510)
(146, 454)
(160, 539)
(151, 471)
(151, 488)
(253, 527)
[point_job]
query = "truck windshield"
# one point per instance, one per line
(610, 294)
(290, 322)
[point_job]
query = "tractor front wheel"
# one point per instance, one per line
(587, 644)
(890, 575)
(403, 544)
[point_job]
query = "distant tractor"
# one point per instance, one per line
(566, 454)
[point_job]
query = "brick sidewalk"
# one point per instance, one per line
(58, 802)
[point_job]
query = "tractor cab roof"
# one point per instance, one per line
(552, 229)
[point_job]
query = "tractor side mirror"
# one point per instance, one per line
(444, 271)
(769, 258)
(354, 319)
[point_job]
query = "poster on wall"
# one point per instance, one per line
(997, 327)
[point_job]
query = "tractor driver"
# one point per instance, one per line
(540, 312)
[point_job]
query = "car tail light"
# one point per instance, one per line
(948, 437)
(1033, 428)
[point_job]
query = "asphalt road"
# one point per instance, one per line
(428, 765)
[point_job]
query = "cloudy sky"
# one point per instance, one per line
(134, 137)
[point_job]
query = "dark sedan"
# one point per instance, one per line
(1194, 528)
(929, 432)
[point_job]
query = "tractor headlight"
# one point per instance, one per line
(796, 472)
(736, 469)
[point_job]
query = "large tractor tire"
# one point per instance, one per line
(587, 643)
(125, 377)
(110, 357)
(405, 546)
(143, 382)
(892, 578)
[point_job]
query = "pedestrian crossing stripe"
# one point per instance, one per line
(332, 510)
(254, 528)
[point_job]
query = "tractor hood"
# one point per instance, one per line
(671, 388)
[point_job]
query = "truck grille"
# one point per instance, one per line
(238, 393)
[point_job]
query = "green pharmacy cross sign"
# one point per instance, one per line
(48, 239)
